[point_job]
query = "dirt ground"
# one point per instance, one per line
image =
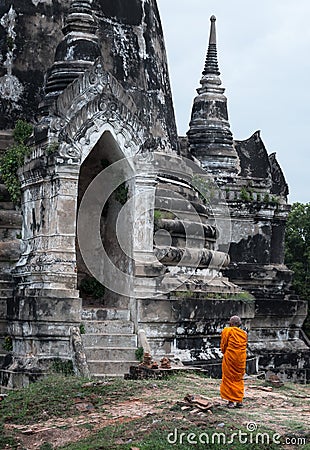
(284, 410)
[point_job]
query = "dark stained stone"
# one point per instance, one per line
(279, 184)
(128, 12)
(253, 157)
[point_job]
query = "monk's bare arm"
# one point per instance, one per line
(224, 341)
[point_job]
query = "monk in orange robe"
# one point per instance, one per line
(233, 347)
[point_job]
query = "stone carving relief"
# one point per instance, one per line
(87, 105)
(10, 87)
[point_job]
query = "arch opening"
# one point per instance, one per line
(97, 293)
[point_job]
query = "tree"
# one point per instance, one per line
(297, 251)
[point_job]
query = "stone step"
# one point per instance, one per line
(100, 376)
(6, 140)
(105, 314)
(103, 368)
(2, 360)
(9, 250)
(4, 195)
(178, 203)
(116, 303)
(10, 219)
(108, 326)
(172, 190)
(109, 340)
(6, 293)
(5, 277)
(110, 354)
(10, 234)
(106, 303)
(6, 281)
(3, 331)
(6, 204)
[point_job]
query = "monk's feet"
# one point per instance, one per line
(232, 405)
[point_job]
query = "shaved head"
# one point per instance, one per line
(235, 321)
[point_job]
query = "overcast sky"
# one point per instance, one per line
(264, 59)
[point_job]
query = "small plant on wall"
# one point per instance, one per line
(245, 195)
(139, 353)
(7, 344)
(206, 189)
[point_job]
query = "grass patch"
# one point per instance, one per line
(160, 434)
(55, 395)
(6, 440)
(163, 421)
(52, 396)
(293, 425)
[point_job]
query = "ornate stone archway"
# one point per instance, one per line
(47, 304)
(91, 104)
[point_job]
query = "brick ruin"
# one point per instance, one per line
(181, 232)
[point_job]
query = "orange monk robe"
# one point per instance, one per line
(233, 346)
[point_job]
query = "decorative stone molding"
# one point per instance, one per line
(91, 104)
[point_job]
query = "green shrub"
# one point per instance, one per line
(92, 287)
(22, 132)
(10, 162)
(139, 353)
(13, 159)
(65, 367)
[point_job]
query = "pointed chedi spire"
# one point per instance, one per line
(76, 52)
(211, 64)
(209, 135)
